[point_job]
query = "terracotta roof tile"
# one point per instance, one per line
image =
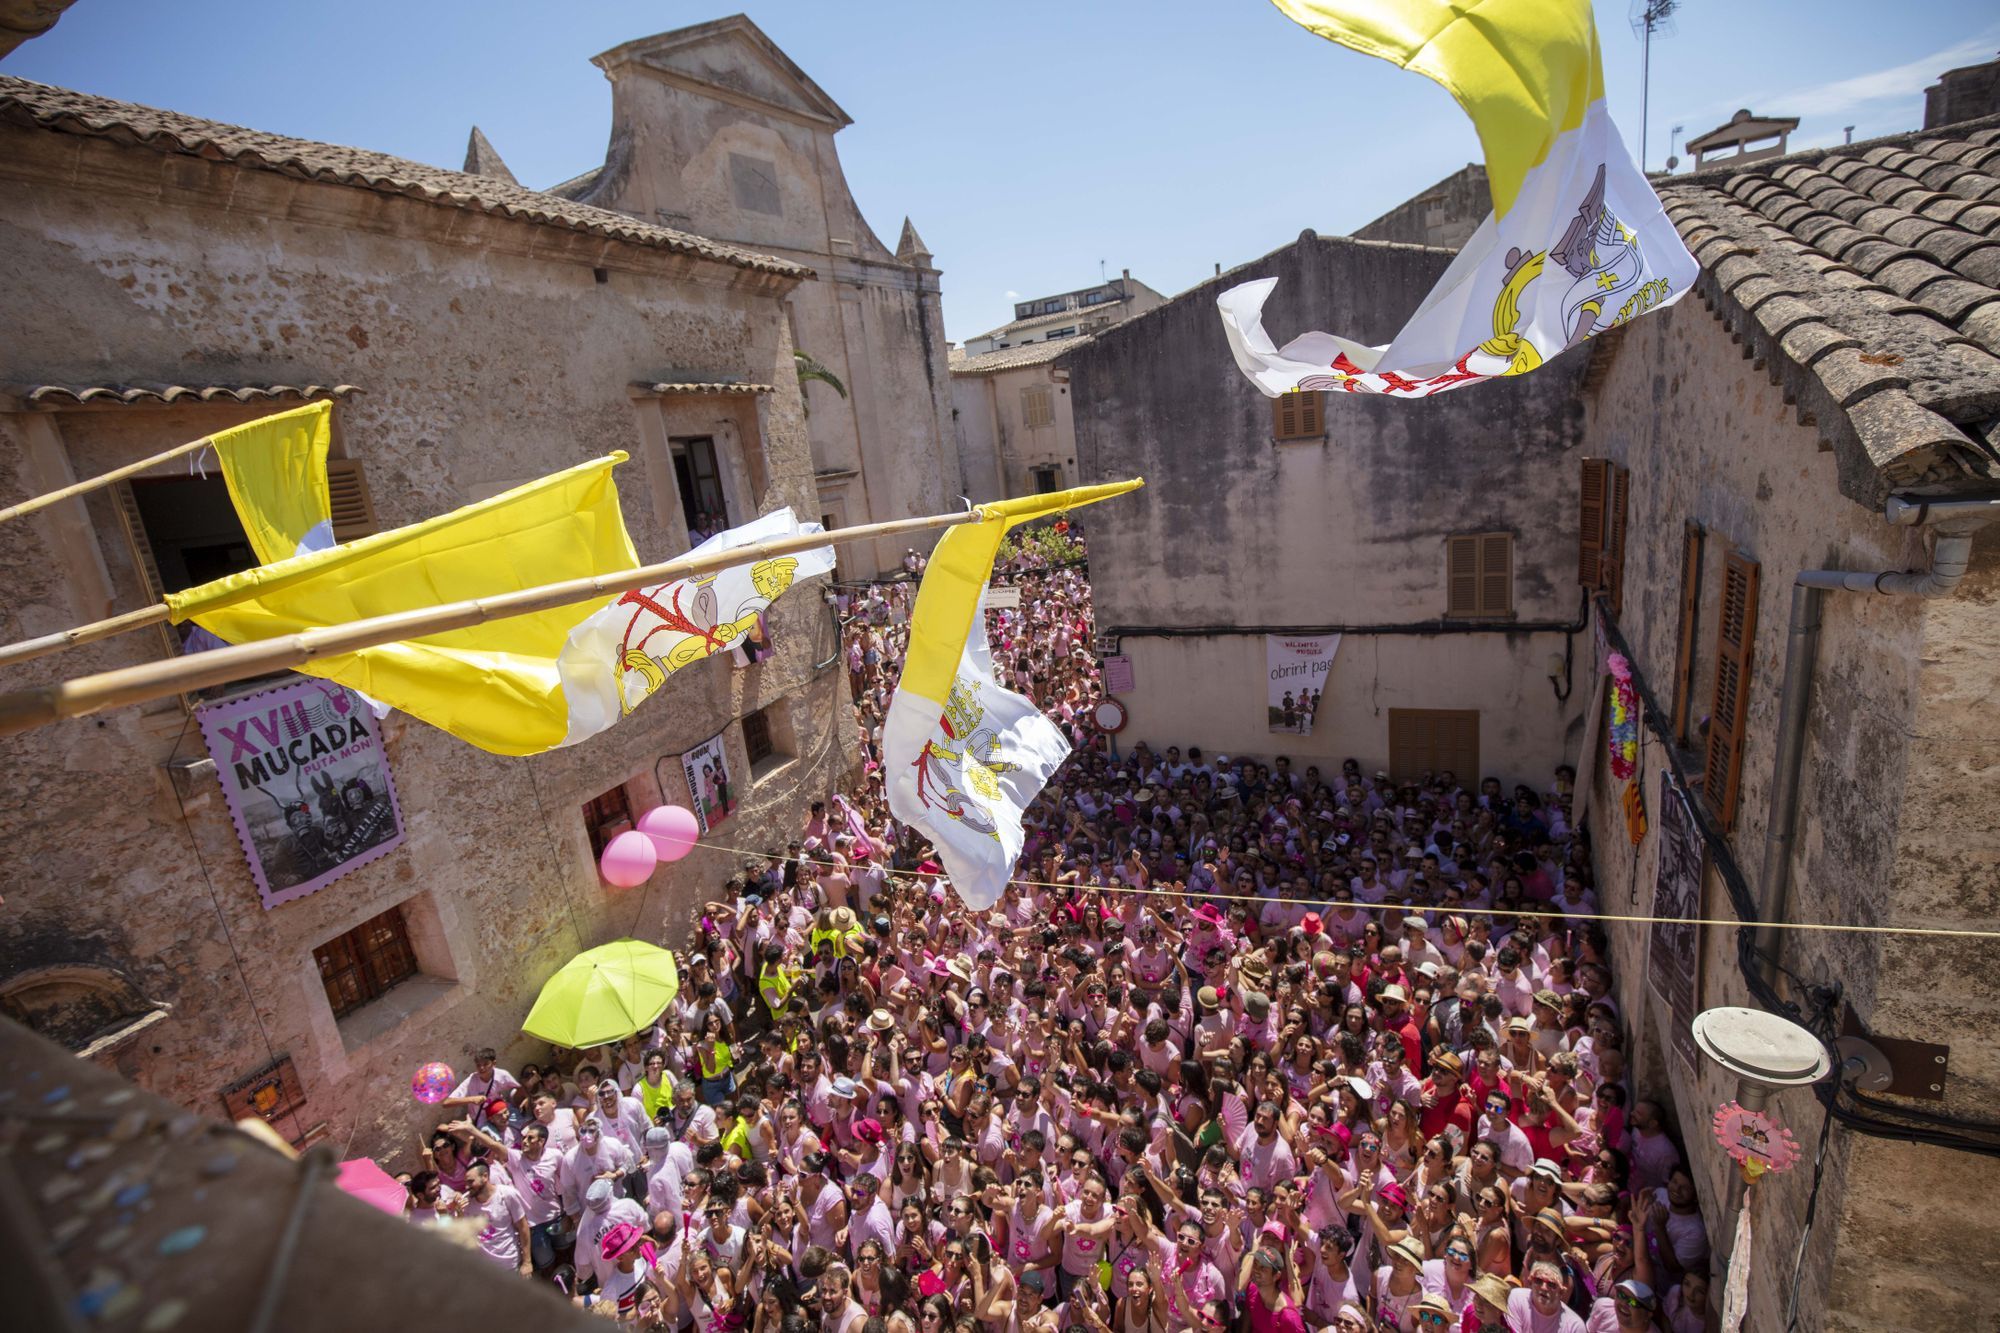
(64, 111)
(1866, 281)
(1014, 358)
(143, 395)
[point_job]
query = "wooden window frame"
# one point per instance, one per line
(605, 816)
(1603, 499)
(1479, 576)
(1729, 711)
(1052, 474)
(365, 963)
(1299, 415)
(757, 743)
(1689, 636)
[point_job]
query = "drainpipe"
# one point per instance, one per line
(1956, 521)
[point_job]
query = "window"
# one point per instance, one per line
(605, 817)
(1479, 576)
(1735, 648)
(757, 738)
(1298, 416)
(1431, 740)
(1047, 480)
(1600, 529)
(1093, 298)
(1038, 407)
(366, 962)
(1054, 334)
(698, 473)
(1690, 630)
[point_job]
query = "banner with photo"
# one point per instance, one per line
(713, 794)
(307, 784)
(1296, 667)
(1673, 964)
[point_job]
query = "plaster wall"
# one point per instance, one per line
(1894, 824)
(715, 137)
(999, 450)
(488, 353)
(1235, 530)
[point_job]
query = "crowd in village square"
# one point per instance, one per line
(1248, 1044)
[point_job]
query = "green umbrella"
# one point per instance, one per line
(603, 994)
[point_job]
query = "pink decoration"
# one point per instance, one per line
(433, 1082)
(628, 859)
(673, 829)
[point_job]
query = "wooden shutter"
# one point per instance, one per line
(1496, 574)
(1611, 570)
(1298, 416)
(1461, 576)
(1691, 538)
(353, 507)
(1735, 648)
(135, 541)
(1593, 492)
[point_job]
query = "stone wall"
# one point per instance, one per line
(1236, 529)
(481, 364)
(1446, 214)
(997, 447)
(1892, 827)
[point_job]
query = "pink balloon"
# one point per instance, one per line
(432, 1083)
(673, 829)
(628, 859)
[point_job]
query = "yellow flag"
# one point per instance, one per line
(1523, 70)
(275, 468)
(495, 685)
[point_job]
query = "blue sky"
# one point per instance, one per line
(1029, 141)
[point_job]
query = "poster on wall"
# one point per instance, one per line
(1296, 667)
(1118, 678)
(307, 784)
(1674, 957)
(707, 770)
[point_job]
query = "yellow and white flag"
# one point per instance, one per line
(1576, 243)
(963, 755)
(520, 685)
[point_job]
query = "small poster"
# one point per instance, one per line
(1297, 668)
(1673, 964)
(1118, 674)
(707, 770)
(1003, 598)
(307, 784)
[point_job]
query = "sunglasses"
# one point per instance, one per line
(1432, 1318)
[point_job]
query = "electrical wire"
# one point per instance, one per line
(1806, 1226)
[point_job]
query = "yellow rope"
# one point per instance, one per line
(1441, 910)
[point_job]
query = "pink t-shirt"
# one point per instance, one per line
(1263, 1319)
(498, 1238)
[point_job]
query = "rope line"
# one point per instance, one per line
(1437, 909)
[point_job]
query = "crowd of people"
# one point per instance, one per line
(1249, 1045)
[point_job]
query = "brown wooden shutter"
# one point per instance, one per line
(1461, 576)
(1496, 574)
(1612, 569)
(353, 507)
(1735, 649)
(1312, 413)
(1691, 538)
(1592, 494)
(1285, 415)
(135, 541)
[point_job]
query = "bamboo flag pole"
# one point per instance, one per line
(22, 710)
(29, 649)
(104, 479)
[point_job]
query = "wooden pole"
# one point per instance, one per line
(21, 710)
(29, 649)
(105, 479)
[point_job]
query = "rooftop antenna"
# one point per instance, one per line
(1649, 17)
(1100, 271)
(1849, 132)
(1673, 159)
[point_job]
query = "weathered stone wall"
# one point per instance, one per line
(482, 365)
(1234, 528)
(1446, 214)
(1895, 824)
(708, 133)
(997, 447)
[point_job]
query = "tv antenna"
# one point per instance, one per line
(1649, 17)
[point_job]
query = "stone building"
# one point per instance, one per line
(1009, 399)
(1333, 512)
(1844, 350)
(166, 276)
(715, 130)
(1446, 214)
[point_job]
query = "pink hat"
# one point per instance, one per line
(1394, 1193)
(620, 1239)
(868, 1131)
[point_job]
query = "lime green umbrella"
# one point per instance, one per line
(603, 994)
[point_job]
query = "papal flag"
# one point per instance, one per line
(1576, 243)
(964, 756)
(527, 683)
(275, 469)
